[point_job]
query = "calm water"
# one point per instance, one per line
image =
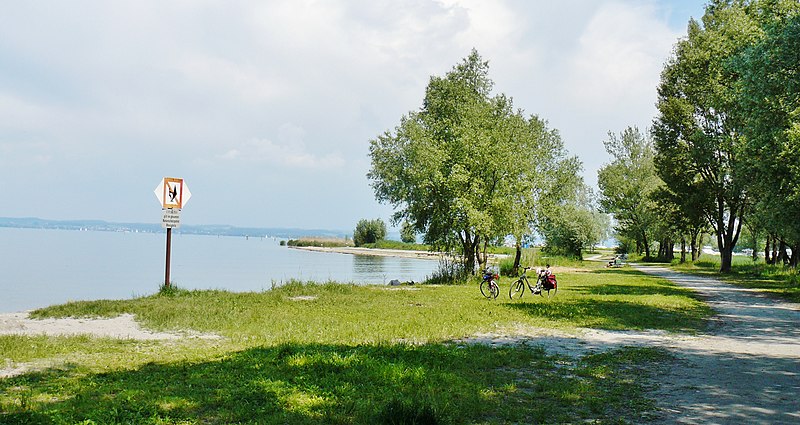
(44, 267)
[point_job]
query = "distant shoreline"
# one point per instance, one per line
(402, 253)
(379, 252)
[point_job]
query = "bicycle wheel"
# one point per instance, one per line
(486, 289)
(549, 293)
(517, 289)
(494, 289)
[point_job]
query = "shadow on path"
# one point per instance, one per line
(745, 370)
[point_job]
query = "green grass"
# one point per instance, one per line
(777, 280)
(337, 353)
(320, 383)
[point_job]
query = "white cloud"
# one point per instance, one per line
(242, 81)
(151, 86)
(620, 56)
(290, 151)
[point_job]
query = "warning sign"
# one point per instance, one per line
(173, 193)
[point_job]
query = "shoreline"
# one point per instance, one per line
(380, 252)
(376, 252)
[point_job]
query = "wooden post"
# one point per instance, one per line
(169, 243)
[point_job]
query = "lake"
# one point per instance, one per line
(41, 267)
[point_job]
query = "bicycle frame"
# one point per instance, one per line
(518, 287)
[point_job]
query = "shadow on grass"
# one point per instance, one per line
(618, 315)
(633, 283)
(296, 384)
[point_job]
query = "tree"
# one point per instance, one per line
(697, 133)
(369, 231)
(627, 185)
(463, 170)
(546, 179)
(407, 233)
(572, 224)
(768, 92)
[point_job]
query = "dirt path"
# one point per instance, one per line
(122, 327)
(744, 370)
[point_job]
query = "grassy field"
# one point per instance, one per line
(336, 353)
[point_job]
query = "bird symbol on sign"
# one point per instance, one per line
(173, 193)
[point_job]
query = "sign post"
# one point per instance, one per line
(173, 193)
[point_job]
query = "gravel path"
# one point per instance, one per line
(123, 326)
(744, 370)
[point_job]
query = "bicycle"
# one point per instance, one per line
(489, 287)
(545, 284)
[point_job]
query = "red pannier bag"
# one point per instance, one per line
(550, 282)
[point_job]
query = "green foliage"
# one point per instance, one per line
(769, 95)
(627, 185)
(407, 233)
(467, 168)
(369, 231)
(572, 228)
(722, 117)
(322, 242)
(449, 272)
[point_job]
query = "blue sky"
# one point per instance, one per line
(266, 108)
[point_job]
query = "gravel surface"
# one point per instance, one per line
(745, 369)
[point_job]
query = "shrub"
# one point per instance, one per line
(450, 272)
(369, 231)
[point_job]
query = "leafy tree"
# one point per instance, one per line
(464, 169)
(697, 133)
(573, 224)
(547, 178)
(369, 231)
(683, 217)
(769, 97)
(407, 233)
(627, 185)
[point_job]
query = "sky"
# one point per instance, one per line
(266, 108)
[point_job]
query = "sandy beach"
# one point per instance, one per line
(403, 253)
(425, 255)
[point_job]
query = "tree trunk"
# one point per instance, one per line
(468, 246)
(795, 256)
(669, 248)
(517, 259)
(782, 255)
(774, 259)
(646, 245)
(727, 235)
(683, 249)
(767, 251)
(727, 260)
(695, 248)
(725, 252)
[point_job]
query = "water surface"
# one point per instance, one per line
(41, 267)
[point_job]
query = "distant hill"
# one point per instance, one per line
(212, 229)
